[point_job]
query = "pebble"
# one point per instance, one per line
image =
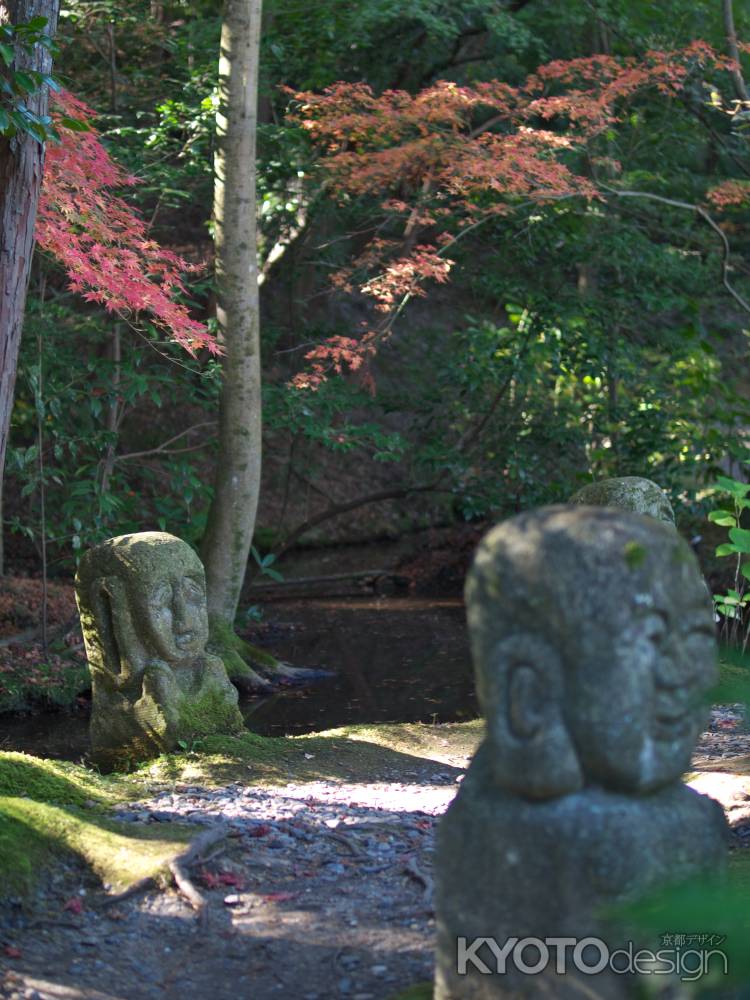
(288, 840)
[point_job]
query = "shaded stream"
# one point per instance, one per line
(395, 660)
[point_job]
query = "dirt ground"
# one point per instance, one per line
(320, 888)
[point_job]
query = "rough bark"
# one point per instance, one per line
(21, 166)
(734, 52)
(232, 515)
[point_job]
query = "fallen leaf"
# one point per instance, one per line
(214, 880)
(74, 905)
(259, 831)
(11, 951)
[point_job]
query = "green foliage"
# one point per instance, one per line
(576, 341)
(56, 683)
(17, 84)
(732, 605)
(112, 461)
(265, 564)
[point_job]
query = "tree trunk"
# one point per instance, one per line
(21, 166)
(734, 52)
(231, 518)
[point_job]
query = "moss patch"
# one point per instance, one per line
(60, 782)
(734, 679)
(422, 991)
(449, 743)
(353, 753)
(212, 713)
(33, 833)
(238, 656)
(48, 807)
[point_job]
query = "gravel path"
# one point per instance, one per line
(322, 890)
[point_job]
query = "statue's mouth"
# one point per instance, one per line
(673, 723)
(185, 639)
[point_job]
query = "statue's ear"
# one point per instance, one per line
(528, 748)
(121, 652)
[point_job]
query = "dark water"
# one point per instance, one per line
(395, 660)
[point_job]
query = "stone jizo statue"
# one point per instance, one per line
(593, 648)
(642, 496)
(142, 603)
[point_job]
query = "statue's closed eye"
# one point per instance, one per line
(193, 589)
(161, 594)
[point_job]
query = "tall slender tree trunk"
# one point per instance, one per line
(231, 518)
(734, 51)
(21, 166)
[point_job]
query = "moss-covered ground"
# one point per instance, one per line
(52, 807)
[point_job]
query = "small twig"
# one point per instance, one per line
(308, 581)
(161, 449)
(180, 864)
(20, 638)
(142, 885)
(207, 858)
(707, 218)
(45, 922)
(411, 868)
(341, 839)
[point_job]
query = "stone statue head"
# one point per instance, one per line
(142, 597)
(593, 647)
(642, 496)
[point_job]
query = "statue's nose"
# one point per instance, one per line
(179, 608)
(677, 666)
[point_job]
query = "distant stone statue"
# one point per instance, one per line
(142, 603)
(593, 648)
(642, 496)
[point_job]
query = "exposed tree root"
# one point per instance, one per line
(412, 869)
(179, 866)
(142, 885)
(253, 670)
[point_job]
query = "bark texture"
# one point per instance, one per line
(21, 166)
(231, 518)
(734, 52)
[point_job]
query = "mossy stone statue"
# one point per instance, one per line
(642, 496)
(593, 648)
(142, 603)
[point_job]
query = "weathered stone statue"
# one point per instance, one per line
(142, 602)
(593, 647)
(642, 496)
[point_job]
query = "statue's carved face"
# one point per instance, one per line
(594, 641)
(175, 606)
(634, 702)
